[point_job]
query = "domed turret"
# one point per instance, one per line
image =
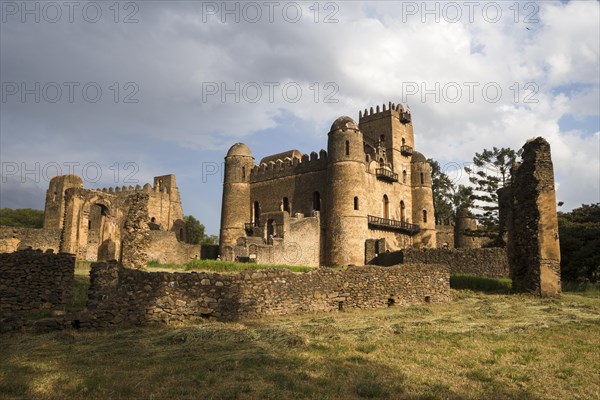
(422, 196)
(235, 208)
(346, 224)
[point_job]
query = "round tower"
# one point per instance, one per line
(345, 219)
(422, 201)
(235, 207)
(465, 222)
(54, 210)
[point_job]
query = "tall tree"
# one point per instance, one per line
(448, 199)
(490, 172)
(194, 230)
(579, 232)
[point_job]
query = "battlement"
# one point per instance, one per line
(391, 109)
(156, 188)
(289, 166)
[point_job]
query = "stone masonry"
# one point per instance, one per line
(119, 296)
(528, 208)
(32, 280)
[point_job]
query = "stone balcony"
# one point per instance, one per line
(386, 175)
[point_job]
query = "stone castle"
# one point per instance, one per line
(370, 189)
(94, 224)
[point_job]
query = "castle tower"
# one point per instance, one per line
(464, 223)
(391, 125)
(235, 208)
(54, 211)
(346, 226)
(422, 201)
(164, 205)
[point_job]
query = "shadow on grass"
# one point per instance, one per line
(481, 284)
(213, 361)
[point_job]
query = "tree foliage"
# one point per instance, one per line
(195, 232)
(448, 198)
(579, 232)
(490, 172)
(22, 217)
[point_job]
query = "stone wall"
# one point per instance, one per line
(492, 262)
(120, 296)
(528, 208)
(13, 239)
(166, 249)
(444, 236)
(33, 280)
(136, 233)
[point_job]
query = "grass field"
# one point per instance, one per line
(481, 346)
(219, 266)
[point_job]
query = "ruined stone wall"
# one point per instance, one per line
(13, 239)
(166, 249)
(120, 296)
(492, 263)
(33, 280)
(444, 236)
(533, 244)
(136, 233)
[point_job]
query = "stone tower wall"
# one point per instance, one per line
(533, 243)
(235, 208)
(422, 199)
(54, 210)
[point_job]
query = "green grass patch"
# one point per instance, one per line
(479, 283)
(585, 288)
(479, 346)
(222, 266)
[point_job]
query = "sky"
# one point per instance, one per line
(120, 92)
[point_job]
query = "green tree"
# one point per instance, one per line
(490, 172)
(210, 240)
(194, 230)
(448, 198)
(579, 232)
(22, 217)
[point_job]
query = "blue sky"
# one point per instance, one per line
(168, 58)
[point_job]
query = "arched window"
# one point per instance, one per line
(422, 178)
(243, 173)
(424, 216)
(356, 203)
(286, 204)
(347, 148)
(404, 176)
(316, 201)
(153, 219)
(256, 214)
(386, 207)
(403, 141)
(381, 162)
(382, 140)
(402, 211)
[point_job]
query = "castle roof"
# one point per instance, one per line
(239, 149)
(343, 123)
(282, 156)
(417, 157)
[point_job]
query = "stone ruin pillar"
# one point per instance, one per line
(528, 211)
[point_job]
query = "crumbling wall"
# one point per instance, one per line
(13, 239)
(492, 262)
(166, 249)
(120, 296)
(528, 208)
(32, 280)
(136, 233)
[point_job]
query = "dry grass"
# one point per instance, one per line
(480, 346)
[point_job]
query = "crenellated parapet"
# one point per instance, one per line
(289, 166)
(391, 109)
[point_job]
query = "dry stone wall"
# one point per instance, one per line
(492, 262)
(165, 248)
(33, 280)
(13, 239)
(136, 240)
(120, 296)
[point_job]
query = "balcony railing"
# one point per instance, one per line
(406, 150)
(405, 117)
(392, 225)
(386, 175)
